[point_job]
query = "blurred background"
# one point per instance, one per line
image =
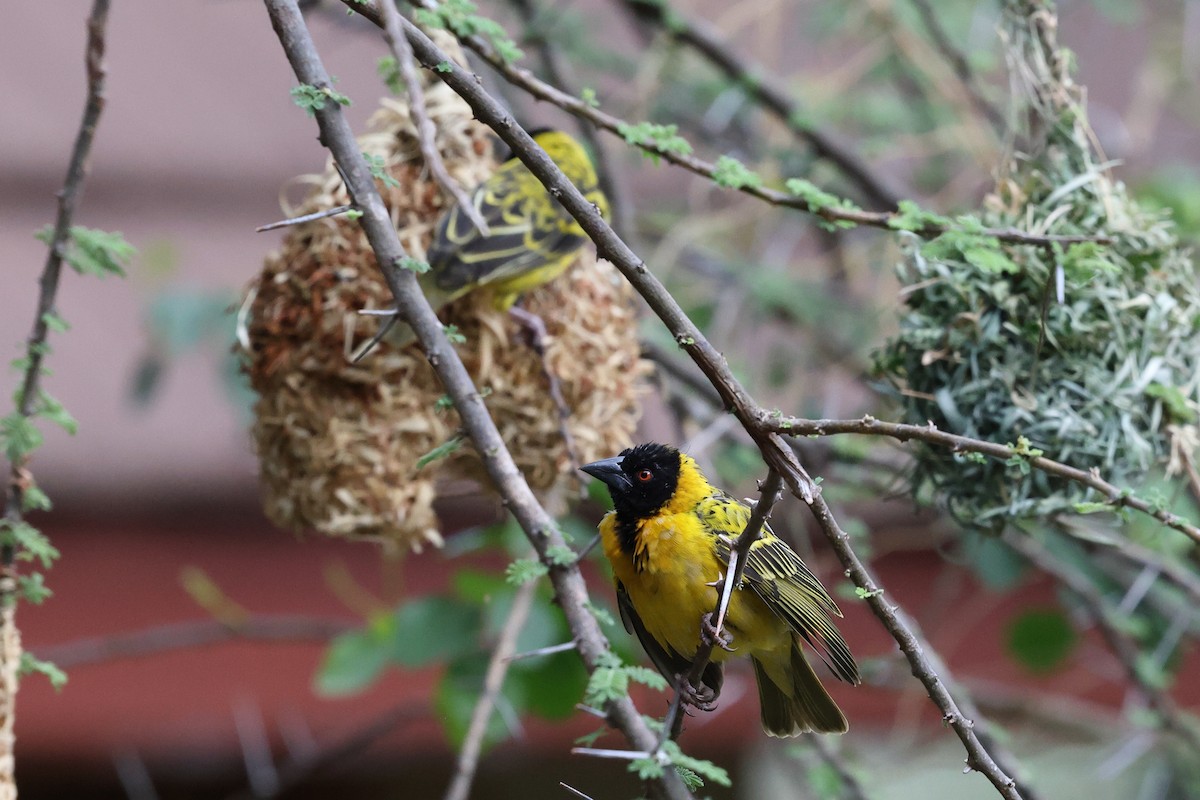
(195, 634)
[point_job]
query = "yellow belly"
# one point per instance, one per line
(672, 591)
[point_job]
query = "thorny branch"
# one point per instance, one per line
(539, 527)
(767, 91)
(28, 394)
(886, 220)
(795, 426)
(983, 753)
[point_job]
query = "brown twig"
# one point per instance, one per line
(760, 85)
(887, 220)
(1119, 642)
(958, 63)
(28, 393)
(187, 635)
(283, 223)
(796, 426)
(506, 645)
(972, 729)
(570, 589)
(426, 130)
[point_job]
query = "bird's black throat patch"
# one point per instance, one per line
(653, 472)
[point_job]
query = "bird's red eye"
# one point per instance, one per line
(645, 475)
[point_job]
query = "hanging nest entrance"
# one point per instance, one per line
(339, 443)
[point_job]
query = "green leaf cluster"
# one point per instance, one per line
(313, 98)
(733, 174)
(664, 138)
(459, 16)
(91, 252)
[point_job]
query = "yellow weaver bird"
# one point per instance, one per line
(530, 238)
(668, 538)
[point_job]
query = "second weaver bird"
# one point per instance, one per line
(668, 539)
(530, 238)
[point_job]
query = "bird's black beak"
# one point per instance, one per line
(609, 471)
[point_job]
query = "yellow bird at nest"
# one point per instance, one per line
(530, 238)
(668, 539)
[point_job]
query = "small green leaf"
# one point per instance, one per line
(911, 217)
(433, 629)
(413, 265)
(991, 260)
(1094, 508)
(32, 664)
(588, 96)
(1174, 401)
(560, 555)
(34, 499)
(664, 138)
(389, 73)
(378, 169)
(20, 436)
(313, 98)
(55, 323)
(93, 252)
(444, 66)
(733, 174)
(355, 659)
(29, 543)
(647, 677)
(454, 334)
(524, 570)
(1041, 639)
(606, 684)
(33, 588)
(443, 450)
(53, 411)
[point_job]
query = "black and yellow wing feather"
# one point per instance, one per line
(784, 583)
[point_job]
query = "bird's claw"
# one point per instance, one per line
(711, 636)
(701, 697)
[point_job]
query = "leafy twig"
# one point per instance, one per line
(568, 583)
(796, 426)
(506, 645)
(830, 212)
(28, 393)
(759, 84)
(402, 53)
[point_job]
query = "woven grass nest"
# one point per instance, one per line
(338, 442)
(1088, 352)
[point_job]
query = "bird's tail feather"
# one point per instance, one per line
(804, 706)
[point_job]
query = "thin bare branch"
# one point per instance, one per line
(316, 215)
(506, 644)
(570, 589)
(958, 62)
(887, 220)
(764, 88)
(426, 131)
(187, 635)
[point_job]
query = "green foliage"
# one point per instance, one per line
(664, 138)
(313, 98)
(444, 66)
(19, 436)
(1041, 640)
(733, 174)
(379, 172)
(454, 335)
(32, 664)
(389, 72)
(34, 499)
(820, 200)
(459, 16)
(414, 265)
(53, 411)
(589, 98)
(561, 555)
(524, 570)
(693, 770)
(33, 588)
(912, 217)
(93, 252)
(610, 680)
(29, 543)
(443, 450)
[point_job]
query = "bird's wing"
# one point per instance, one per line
(527, 229)
(783, 582)
(668, 662)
